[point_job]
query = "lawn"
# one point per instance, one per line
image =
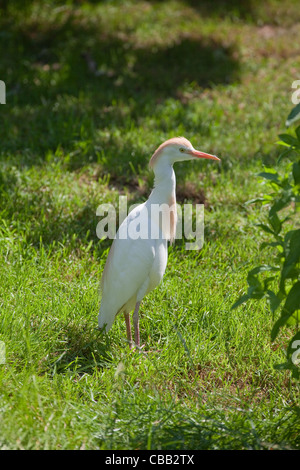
(92, 89)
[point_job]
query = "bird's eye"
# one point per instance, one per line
(181, 150)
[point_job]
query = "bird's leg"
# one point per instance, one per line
(128, 329)
(136, 324)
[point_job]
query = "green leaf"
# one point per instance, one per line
(265, 228)
(293, 116)
(282, 202)
(258, 199)
(289, 272)
(270, 176)
(275, 222)
(294, 319)
(290, 140)
(296, 172)
(292, 304)
(284, 154)
(292, 249)
(280, 142)
(292, 246)
(261, 269)
(263, 245)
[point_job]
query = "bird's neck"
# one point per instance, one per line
(164, 195)
(164, 191)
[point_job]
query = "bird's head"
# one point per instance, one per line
(177, 149)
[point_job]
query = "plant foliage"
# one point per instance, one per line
(279, 282)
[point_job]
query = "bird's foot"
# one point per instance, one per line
(141, 349)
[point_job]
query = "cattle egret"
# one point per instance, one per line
(137, 259)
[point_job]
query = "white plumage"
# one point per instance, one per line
(124, 282)
(138, 256)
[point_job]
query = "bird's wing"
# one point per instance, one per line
(127, 267)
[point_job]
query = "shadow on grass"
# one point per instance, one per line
(74, 94)
(171, 428)
(241, 9)
(72, 81)
(81, 355)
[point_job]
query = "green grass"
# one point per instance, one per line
(92, 90)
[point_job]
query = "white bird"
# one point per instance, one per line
(137, 259)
